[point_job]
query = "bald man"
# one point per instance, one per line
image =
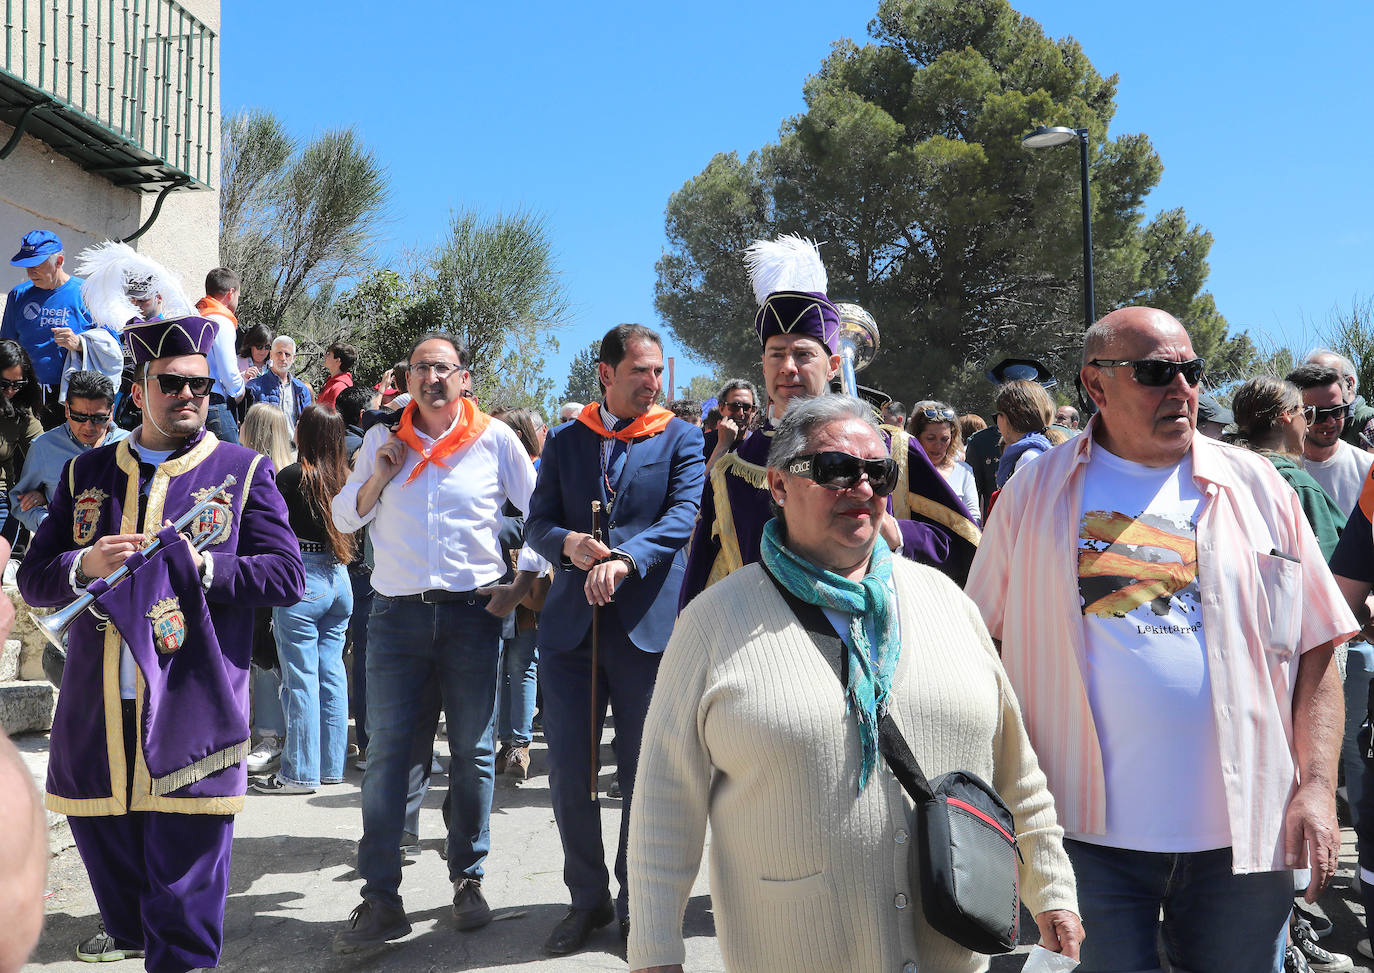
(1187, 714)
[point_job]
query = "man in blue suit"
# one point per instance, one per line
(645, 467)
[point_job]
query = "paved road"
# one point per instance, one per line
(293, 884)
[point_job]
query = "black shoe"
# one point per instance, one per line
(625, 930)
(410, 844)
(573, 930)
(1319, 960)
(102, 948)
(371, 924)
(470, 909)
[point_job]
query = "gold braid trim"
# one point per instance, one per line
(729, 559)
(204, 767)
(905, 503)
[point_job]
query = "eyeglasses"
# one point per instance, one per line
(6, 385)
(738, 407)
(938, 415)
(439, 369)
(1309, 412)
(1158, 372)
(1326, 413)
(99, 418)
(173, 384)
(840, 471)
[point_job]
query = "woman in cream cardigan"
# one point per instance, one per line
(750, 729)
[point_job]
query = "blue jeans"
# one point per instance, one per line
(1359, 669)
(1213, 920)
(220, 421)
(314, 687)
(361, 577)
(268, 718)
(411, 645)
(515, 697)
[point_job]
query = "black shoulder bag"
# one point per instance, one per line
(965, 861)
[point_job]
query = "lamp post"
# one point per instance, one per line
(1045, 137)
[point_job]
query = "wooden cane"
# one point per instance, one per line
(595, 731)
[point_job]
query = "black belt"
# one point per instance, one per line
(435, 595)
(217, 398)
(312, 547)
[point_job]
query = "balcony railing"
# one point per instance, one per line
(141, 70)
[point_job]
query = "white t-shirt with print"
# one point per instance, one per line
(1147, 672)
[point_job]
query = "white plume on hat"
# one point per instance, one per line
(109, 267)
(789, 263)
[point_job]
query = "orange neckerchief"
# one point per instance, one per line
(651, 423)
(472, 422)
(210, 305)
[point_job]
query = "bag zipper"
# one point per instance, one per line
(965, 806)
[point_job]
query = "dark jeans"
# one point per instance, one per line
(220, 421)
(412, 645)
(361, 578)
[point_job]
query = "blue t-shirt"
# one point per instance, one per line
(30, 315)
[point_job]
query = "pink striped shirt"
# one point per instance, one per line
(1259, 610)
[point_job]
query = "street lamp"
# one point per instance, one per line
(1045, 137)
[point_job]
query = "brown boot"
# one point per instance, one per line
(502, 759)
(518, 764)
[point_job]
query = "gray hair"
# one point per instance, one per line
(282, 339)
(1344, 365)
(735, 384)
(804, 419)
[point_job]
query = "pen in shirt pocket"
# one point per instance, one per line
(1275, 552)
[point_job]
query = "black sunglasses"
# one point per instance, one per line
(173, 384)
(1327, 413)
(840, 471)
(99, 418)
(1158, 372)
(738, 407)
(7, 385)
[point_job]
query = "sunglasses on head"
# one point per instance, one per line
(1327, 413)
(938, 415)
(840, 471)
(1158, 372)
(173, 384)
(7, 385)
(99, 418)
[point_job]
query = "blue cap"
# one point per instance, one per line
(37, 246)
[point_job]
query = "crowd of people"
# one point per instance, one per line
(1147, 642)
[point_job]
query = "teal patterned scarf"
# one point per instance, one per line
(867, 600)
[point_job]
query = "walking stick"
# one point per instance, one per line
(595, 731)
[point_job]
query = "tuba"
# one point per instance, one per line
(54, 627)
(858, 341)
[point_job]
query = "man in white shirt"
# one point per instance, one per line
(1339, 467)
(431, 493)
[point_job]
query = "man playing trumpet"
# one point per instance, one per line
(151, 730)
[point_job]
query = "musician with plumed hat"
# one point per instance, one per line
(799, 328)
(151, 731)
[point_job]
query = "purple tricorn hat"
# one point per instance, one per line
(789, 283)
(168, 337)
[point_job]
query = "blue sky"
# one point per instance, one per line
(593, 114)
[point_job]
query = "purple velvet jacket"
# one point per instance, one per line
(935, 526)
(191, 645)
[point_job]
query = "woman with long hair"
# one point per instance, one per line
(264, 429)
(1024, 413)
(21, 400)
(936, 427)
(1272, 420)
(311, 633)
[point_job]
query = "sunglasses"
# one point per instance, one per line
(173, 384)
(946, 415)
(737, 407)
(840, 471)
(6, 385)
(1326, 413)
(99, 418)
(1158, 372)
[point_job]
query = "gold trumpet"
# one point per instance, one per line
(54, 627)
(858, 341)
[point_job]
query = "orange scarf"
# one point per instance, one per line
(472, 422)
(209, 305)
(651, 423)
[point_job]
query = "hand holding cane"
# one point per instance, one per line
(595, 731)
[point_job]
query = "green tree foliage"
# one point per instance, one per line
(582, 385)
(907, 167)
(492, 282)
(1351, 333)
(295, 219)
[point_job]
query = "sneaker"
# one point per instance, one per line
(410, 844)
(436, 766)
(470, 909)
(614, 789)
(502, 760)
(276, 785)
(1294, 961)
(371, 924)
(519, 762)
(101, 948)
(266, 756)
(1318, 959)
(361, 762)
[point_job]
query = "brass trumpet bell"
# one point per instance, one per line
(858, 341)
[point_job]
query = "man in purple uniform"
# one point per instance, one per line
(151, 730)
(799, 329)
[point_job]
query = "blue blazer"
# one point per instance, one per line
(660, 492)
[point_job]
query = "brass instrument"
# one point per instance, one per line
(54, 627)
(858, 340)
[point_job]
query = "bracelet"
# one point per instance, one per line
(82, 579)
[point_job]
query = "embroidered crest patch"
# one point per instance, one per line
(169, 625)
(214, 521)
(86, 514)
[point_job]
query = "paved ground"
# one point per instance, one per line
(293, 884)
